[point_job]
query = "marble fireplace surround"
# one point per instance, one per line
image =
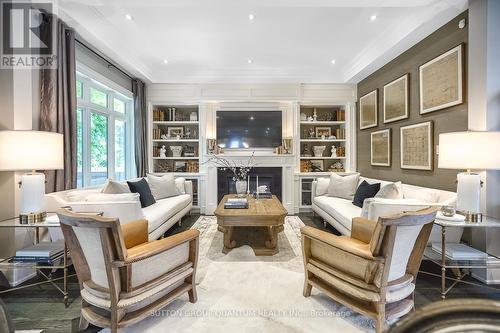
(285, 162)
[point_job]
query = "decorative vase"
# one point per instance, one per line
(176, 151)
(318, 151)
(241, 187)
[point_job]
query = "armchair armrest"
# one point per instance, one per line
(150, 249)
(135, 233)
(362, 229)
(351, 245)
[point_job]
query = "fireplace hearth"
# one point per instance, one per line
(270, 176)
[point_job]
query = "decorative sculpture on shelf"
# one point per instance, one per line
(315, 115)
(334, 151)
(163, 152)
(176, 151)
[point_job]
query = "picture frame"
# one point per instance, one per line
(317, 164)
(416, 146)
(175, 131)
(396, 99)
(180, 166)
(368, 110)
(441, 81)
(323, 130)
(380, 148)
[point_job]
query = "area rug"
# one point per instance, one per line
(239, 292)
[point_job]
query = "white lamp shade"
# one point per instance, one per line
(31, 150)
(469, 150)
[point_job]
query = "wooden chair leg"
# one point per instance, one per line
(180, 222)
(307, 286)
(380, 321)
(116, 316)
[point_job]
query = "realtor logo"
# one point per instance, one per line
(27, 35)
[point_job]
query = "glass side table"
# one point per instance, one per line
(47, 278)
(457, 266)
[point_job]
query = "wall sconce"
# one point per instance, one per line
(212, 146)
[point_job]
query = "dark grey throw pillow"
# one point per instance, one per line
(142, 187)
(365, 191)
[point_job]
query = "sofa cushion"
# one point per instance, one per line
(322, 186)
(105, 197)
(125, 211)
(343, 186)
(164, 209)
(162, 186)
(342, 210)
(114, 187)
(180, 183)
(390, 191)
(365, 191)
(81, 195)
(144, 191)
(426, 195)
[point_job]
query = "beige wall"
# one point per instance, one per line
(446, 120)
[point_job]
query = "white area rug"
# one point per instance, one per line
(239, 292)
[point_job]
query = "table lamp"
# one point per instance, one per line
(469, 151)
(31, 151)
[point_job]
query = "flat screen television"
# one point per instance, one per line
(248, 129)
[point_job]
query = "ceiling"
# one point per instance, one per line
(292, 41)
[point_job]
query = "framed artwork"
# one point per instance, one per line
(416, 146)
(317, 165)
(381, 148)
(396, 99)
(326, 131)
(180, 166)
(441, 81)
(368, 110)
(175, 131)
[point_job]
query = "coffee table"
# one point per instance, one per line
(257, 226)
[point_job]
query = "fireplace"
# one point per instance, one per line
(270, 176)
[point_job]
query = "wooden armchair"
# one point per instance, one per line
(373, 271)
(122, 276)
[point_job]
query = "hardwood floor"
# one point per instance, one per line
(41, 307)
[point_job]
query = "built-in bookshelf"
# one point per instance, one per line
(175, 139)
(323, 137)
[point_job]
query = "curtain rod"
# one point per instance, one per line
(103, 58)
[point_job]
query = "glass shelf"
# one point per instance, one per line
(435, 257)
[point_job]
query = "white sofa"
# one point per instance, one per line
(161, 216)
(339, 212)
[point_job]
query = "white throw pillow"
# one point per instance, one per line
(343, 186)
(162, 186)
(322, 186)
(180, 183)
(105, 197)
(125, 211)
(114, 187)
(81, 195)
(423, 195)
(390, 191)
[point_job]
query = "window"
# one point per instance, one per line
(104, 133)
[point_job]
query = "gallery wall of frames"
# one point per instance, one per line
(403, 107)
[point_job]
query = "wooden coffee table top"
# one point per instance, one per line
(262, 208)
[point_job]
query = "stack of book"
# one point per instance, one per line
(457, 251)
(263, 195)
(236, 203)
(45, 253)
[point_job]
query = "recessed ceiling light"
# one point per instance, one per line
(249, 61)
(373, 17)
(333, 61)
(251, 17)
(128, 17)
(165, 61)
(252, 118)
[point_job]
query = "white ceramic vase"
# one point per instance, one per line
(176, 151)
(241, 187)
(318, 151)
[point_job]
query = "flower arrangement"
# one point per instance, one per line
(240, 172)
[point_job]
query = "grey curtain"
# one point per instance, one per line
(140, 127)
(58, 103)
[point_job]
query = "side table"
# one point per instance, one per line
(47, 278)
(456, 266)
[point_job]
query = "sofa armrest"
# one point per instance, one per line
(135, 233)
(188, 186)
(150, 249)
(314, 186)
(54, 201)
(362, 229)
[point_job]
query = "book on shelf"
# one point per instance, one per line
(236, 203)
(457, 251)
(340, 133)
(340, 115)
(38, 260)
